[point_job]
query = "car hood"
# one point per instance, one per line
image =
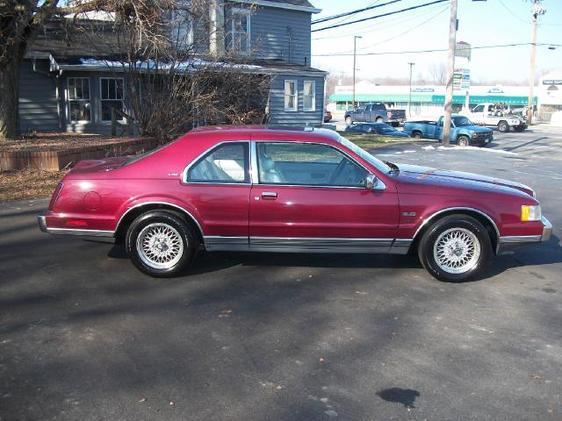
(427, 175)
(477, 129)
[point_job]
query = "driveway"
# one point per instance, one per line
(83, 335)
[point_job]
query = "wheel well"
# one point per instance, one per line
(135, 212)
(476, 215)
(414, 132)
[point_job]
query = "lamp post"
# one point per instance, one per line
(537, 10)
(355, 37)
(411, 64)
(450, 73)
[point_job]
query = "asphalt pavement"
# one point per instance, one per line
(85, 336)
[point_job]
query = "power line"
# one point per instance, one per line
(353, 12)
(436, 50)
(406, 31)
(379, 16)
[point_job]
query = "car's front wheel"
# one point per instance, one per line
(455, 248)
(160, 243)
(463, 141)
(503, 126)
(348, 121)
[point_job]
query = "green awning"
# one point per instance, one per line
(431, 98)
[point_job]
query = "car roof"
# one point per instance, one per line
(257, 132)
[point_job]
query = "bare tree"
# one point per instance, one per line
(438, 73)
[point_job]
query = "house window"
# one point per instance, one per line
(112, 96)
(309, 95)
(238, 31)
(291, 98)
(79, 99)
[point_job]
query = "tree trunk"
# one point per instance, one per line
(9, 94)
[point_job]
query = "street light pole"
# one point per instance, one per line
(410, 92)
(536, 10)
(355, 37)
(450, 73)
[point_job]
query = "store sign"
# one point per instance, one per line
(461, 79)
(463, 50)
(423, 90)
(552, 82)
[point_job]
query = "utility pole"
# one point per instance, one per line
(410, 92)
(450, 73)
(537, 10)
(355, 37)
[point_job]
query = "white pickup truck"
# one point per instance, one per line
(489, 114)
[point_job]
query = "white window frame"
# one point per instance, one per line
(69, 100)
(313, 83)
(247, 13)
(102, 100)
(183, 30)
(296, 95)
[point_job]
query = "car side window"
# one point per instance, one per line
(226, 163)
(307, 164)
(478, 109)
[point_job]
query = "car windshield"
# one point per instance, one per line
(461, 121)
(378, 164)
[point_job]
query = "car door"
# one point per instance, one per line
(311, 197)
(217, 185)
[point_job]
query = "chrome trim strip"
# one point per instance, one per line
(159, 203)
(253, 162)
(224, 243)
(42, 221)
(201, 155)
(81, 232)
(520, 239)
(433, 215)
(401, 246)
(320, 245)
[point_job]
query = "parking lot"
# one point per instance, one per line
(84, 335)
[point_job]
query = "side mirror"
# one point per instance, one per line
(373, 183)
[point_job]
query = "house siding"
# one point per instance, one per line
(38, 107)
(270, 40)
(278, 115)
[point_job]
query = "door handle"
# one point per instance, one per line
(269, 195)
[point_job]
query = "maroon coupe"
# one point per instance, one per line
(280, 190)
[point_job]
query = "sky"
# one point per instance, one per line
(481, 23)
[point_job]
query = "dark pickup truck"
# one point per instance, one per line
(375, 113)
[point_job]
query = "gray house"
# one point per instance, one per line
(70, 87)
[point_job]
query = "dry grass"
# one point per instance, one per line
(28, 184)
(57, 141)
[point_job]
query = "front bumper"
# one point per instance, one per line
(512, 242)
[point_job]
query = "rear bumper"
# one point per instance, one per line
(97, 235)
(512, 242)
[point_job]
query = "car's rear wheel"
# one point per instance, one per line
(348, 121)
(455, 248)
(503, 126)
(160, 243)
(463, 141)
(379, 120)
(416, 135)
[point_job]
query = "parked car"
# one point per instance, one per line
(327, 116)
(375, 113)
(463, 131)
(496, 115)
(376, 128)
(297, 191)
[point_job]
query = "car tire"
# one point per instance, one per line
(466, 262)
(348, 121)
(379, 120)
(463, 141)
(176, 238)
(503, 126)
(416, 135)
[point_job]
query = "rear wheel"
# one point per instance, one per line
(348, 120)
(160, 243)
(455, 248)
(503, 126)
(463, 141)
(379, 120)
(416, 135)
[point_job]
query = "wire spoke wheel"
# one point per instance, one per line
(160, 246)
(457, 250)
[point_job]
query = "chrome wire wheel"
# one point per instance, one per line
(457, 250)
(160, 246)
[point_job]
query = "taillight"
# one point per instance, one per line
(55, 195)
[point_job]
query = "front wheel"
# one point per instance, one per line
(348, 120)
(463, 141)
(379, 120)
(160, 243)
(503, 126)
(455, 248)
